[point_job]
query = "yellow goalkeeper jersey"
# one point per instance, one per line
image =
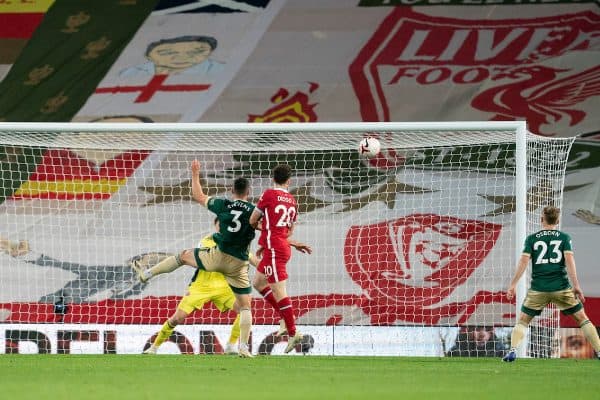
(204, 280)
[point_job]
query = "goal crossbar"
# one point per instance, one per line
(263, 127)
(251, 137)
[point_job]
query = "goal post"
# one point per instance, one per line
(521, 218)
(413, 249)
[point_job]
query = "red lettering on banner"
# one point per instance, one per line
(434, 75)
(427, 76)
(409, 72)
(507, 53)
(471, 75)
(155, 85)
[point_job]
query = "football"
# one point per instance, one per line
(369, 147)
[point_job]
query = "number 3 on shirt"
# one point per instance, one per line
(236, 221)
(286, 215)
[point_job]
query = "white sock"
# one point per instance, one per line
(245, 325)
(230, 347)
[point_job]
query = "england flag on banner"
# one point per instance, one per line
(181, 59)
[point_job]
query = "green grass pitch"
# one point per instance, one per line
(286, 378)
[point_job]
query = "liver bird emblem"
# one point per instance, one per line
(539, 96)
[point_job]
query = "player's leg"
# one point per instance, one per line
(167, 329)
(588, 329)
(234, 336)
(266, 272)
(243, 304)
(260, 282)
(277, 278)
(532, 306)
(569, 304)
(284, 304)
(236, 275)
(261, 285)
(169, 264)
(517, 335)
(224, 303)
(287, 312)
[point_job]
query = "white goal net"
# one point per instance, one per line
(412, 250)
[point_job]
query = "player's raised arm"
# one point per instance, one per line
(197, 192)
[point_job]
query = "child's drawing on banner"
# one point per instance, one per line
(179, 63)
(179, 55)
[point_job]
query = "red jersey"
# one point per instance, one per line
(279, 210)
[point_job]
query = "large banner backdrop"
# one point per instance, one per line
(306, 61)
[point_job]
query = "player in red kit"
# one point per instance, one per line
(278, 210)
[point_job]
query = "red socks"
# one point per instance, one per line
(287, 313)
(284, 307)
(267, 294)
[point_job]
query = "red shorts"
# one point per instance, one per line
(273, 264)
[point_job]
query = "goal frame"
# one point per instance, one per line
(519, 127)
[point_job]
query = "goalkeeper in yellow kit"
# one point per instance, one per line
(204, 287)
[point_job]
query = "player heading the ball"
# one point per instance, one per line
(278, 210)
(552, 266)
(230, 255)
